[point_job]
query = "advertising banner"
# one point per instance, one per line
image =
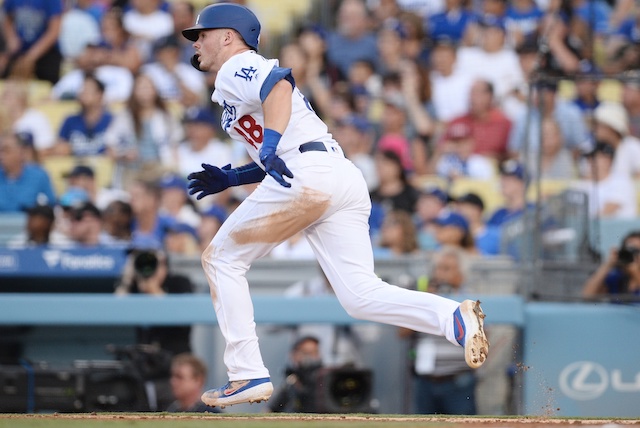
(582, 359)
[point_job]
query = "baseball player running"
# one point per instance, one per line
(306, 184)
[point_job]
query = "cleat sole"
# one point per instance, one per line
(477, 345)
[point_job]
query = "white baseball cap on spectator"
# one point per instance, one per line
(613, 115)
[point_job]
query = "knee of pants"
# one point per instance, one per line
(214, 263)
(208, 256)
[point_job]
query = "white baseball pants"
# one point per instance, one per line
(328, 199)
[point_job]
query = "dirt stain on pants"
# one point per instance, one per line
(292, 218)
(209, 269)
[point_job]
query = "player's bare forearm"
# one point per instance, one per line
(277, 107)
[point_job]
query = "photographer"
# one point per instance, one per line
(298, 393)
(188, 375)
(620, 273)
(147, 271)
(443, 383)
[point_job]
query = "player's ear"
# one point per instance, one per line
(230, 35)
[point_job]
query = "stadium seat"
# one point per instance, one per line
(279, 17)
(199, 4)
(429, 180)
(548, 188)
(58, 166)
(488, 190)
(609, 90)
(57, 111)
(39, 90)
(176, 109)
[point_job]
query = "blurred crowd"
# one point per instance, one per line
(422, 95)
(450, 108)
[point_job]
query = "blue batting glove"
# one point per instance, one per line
(211, 180)
(275, 167)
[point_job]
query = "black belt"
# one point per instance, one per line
(312, 146)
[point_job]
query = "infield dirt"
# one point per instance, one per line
(144, 420)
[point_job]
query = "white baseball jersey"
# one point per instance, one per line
(242, 85)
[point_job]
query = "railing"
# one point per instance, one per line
(97, 270)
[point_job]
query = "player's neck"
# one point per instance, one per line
(237, 51)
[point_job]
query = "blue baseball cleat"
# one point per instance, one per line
(239, 391)
(468, 324)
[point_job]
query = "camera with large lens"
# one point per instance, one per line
(344, 390)
(627, 255)
(331, 389)
(145, 263)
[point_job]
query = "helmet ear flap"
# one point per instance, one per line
(195, 63)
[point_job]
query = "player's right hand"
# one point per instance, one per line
(209, 181)
(275, 167)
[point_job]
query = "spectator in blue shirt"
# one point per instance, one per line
(487, 238)
(595, 14)
(432, 201)
(622, 46)
(149, 226)
(567, 115)
(627, 32)
(31, 29)
(513, 185)
(352, 40)
(587, 84)
(452, 23)
(22, 184)
(82, 134)
(452, 229)
(523, 19)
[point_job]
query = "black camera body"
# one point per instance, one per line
(626, 256)
(332, 389)
(145, 263)
(344, 390)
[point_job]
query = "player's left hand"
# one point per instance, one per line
(209, 181)
(275, 167)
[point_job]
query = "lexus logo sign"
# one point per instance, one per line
(586, 380)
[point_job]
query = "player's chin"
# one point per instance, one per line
(204, 65)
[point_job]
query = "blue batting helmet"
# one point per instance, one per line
(227, 15)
